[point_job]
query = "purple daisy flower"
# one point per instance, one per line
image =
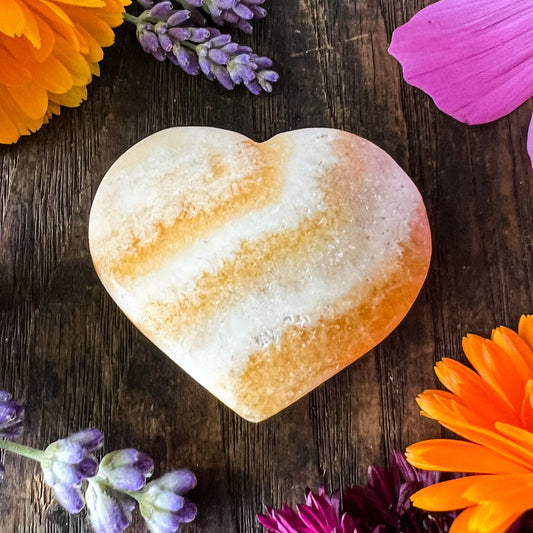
(381, 506)
(385, 500)
(319, 514)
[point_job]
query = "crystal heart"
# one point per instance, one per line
(262, 269)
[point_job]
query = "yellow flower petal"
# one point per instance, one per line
(74, 62)
(49, 52)
(72, 98)
(9, 133)
(33, 100)
(12, 19)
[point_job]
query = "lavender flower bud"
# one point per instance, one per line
(11, 416)
(163, 505)
(235, 12)
(199, 35)
(178, 17)
(186, 59)
(165, 42)
(67, 462)
(126, 469)
(265, 78)
(109, 510)
(159, 11)
(160, 32)
(180, 34)
(147, 38)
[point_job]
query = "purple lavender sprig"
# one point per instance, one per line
(237, 13)
(234, 13)
(169, 33)
(114, 487)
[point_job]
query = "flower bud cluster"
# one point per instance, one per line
(113, 488)
(178, 35)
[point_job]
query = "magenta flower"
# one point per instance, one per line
(319, 514)
(474, 57)
(383, 505)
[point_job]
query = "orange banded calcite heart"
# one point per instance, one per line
(262, 269)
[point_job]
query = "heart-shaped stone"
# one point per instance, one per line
(262, 269)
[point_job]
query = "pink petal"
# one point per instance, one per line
(473, 57)
(530, 141)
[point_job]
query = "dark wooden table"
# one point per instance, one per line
(74, 359)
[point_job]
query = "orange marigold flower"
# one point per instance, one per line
(491, 407)
(49, 51)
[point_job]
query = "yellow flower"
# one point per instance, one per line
(492, 408)
(49, 51)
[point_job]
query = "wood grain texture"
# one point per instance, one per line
(74, 359)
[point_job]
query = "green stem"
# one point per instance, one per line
(20, 449)
(130, 18)
(187, 44)
(136, 495)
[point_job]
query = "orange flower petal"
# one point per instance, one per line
(9, 133)
(31, 31)
(12, 19)
(516, 434)
(460, 524)
(473, 391)
(98, 28)
(75, 63)
(494, 441)
(95, 69)
(72, 98)
(459, 456)
(517, 349)
(49, 52)
(496, 516)
(527, 407)
(32, 99)
(496, 369)
(444, 496)
(94, 50)
(85, 3)
(463, 492)
(58, 20)
(12, 73)
(53, 75)
(448, 409)
(22, 121)
(525, 329)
